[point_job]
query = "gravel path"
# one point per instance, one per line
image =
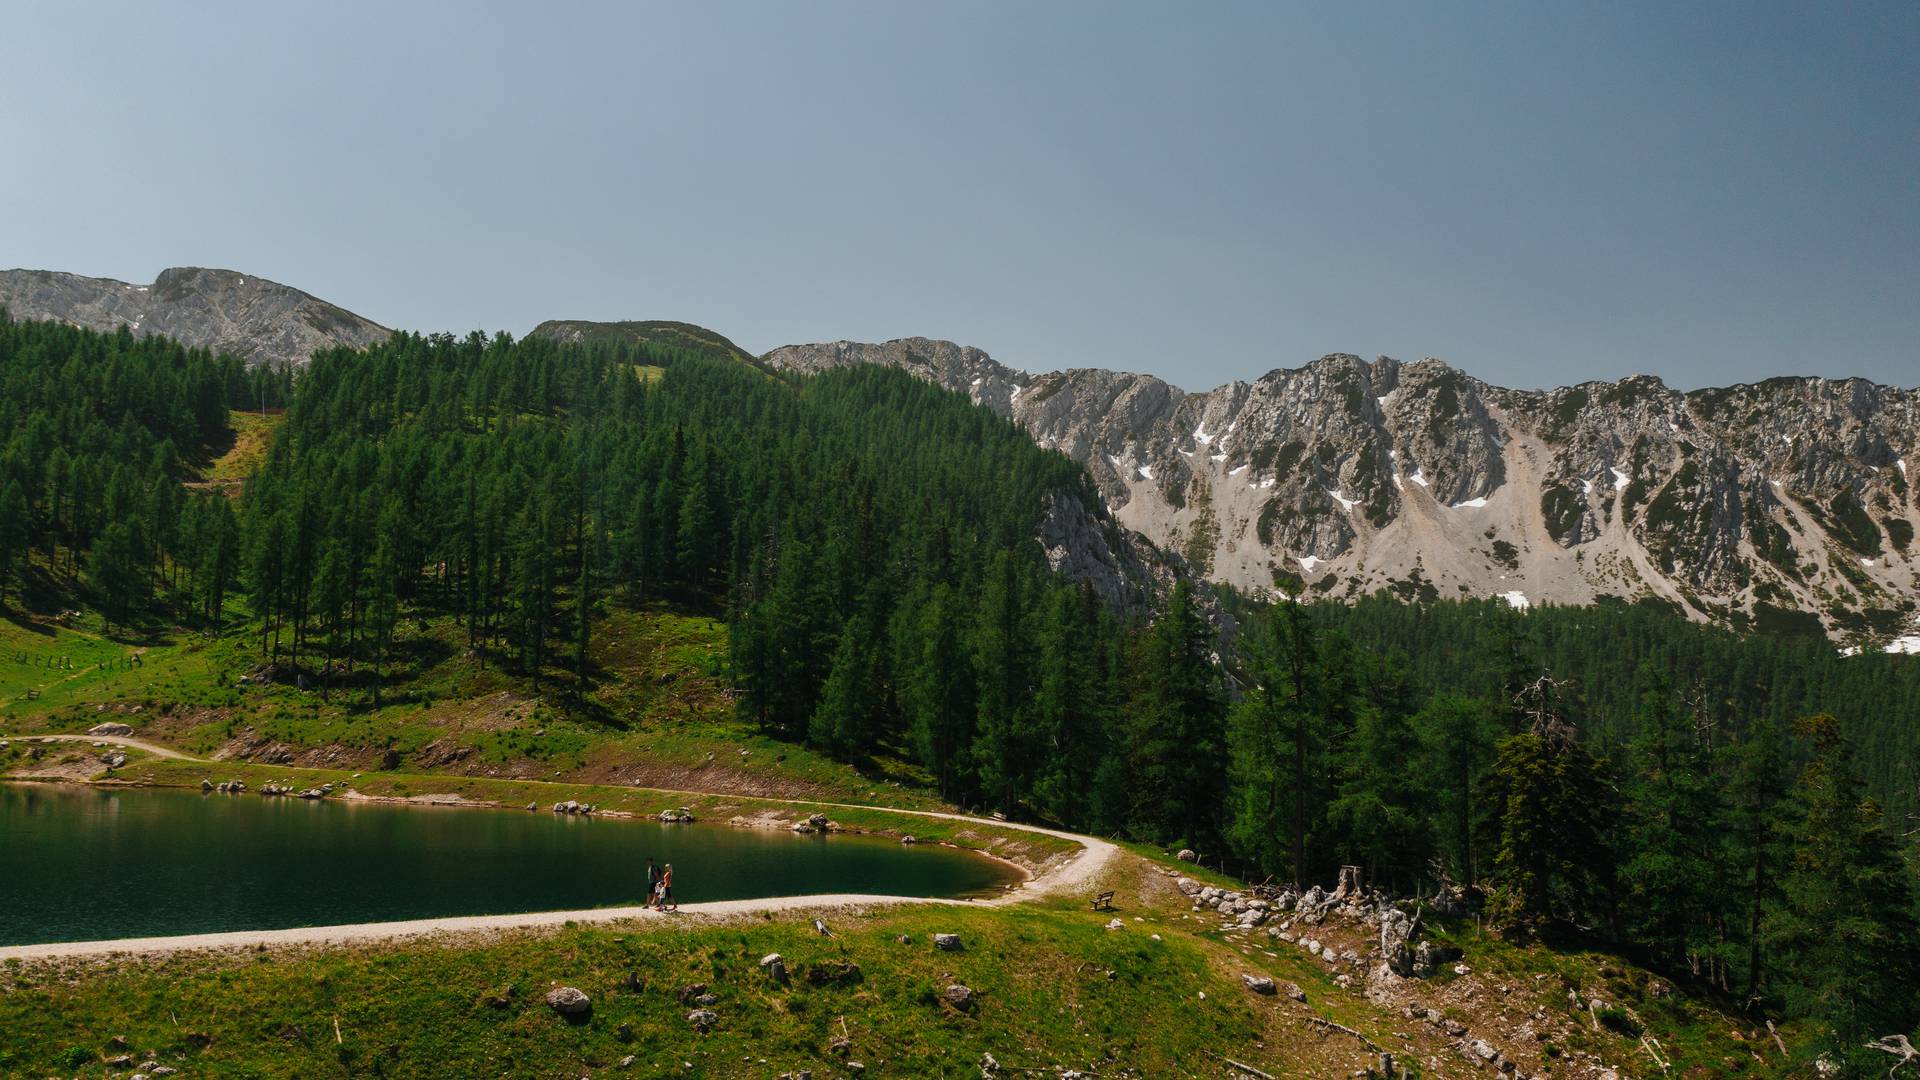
(117, 740)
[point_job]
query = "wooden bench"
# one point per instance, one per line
(1104, 901)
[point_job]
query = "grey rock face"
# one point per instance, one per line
(260, 321)
(1345, 476)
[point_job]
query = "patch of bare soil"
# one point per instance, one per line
(63, 762)
(264, 751)
(714, 778)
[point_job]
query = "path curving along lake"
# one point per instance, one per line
(81, 863)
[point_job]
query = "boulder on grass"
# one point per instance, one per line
(569, 1001)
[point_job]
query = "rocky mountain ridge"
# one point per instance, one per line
(1784, 503)
(260, 321)
(1767, 504)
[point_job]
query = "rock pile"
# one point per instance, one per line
(816, 824)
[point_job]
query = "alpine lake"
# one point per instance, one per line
(89, 864)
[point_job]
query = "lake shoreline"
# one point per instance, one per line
(1058, 871)
(454, 801)
(765, 812)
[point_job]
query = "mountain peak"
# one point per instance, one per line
(225, 311)
(1737, 505)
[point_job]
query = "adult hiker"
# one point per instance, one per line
(653, 882)
(666, 890)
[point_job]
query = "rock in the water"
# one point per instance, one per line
(947, 942)
(679, 816)
(703, 1020)
(569, 1001)
(110, 728)
(909, 839)
(1260, 984)
(958, 996)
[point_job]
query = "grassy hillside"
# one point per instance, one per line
(658, 715)
(252, 434)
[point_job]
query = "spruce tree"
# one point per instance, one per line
(1553, 806)
(1176, 733)
(1673, 854)
(1457, 740)
(1844, 931)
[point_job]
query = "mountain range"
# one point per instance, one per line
(1784, 504)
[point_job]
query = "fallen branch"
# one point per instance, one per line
(1242, 1067)
(1647, 1045)
(337, 1040)
(1777, 1041)
(1345, 1030)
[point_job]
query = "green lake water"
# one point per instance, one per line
(87, 864)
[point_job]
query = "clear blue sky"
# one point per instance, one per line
(1537, 192)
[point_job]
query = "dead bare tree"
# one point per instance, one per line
(1540, 702)
(1899, 1047)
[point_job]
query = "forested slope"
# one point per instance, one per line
(97, 432)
